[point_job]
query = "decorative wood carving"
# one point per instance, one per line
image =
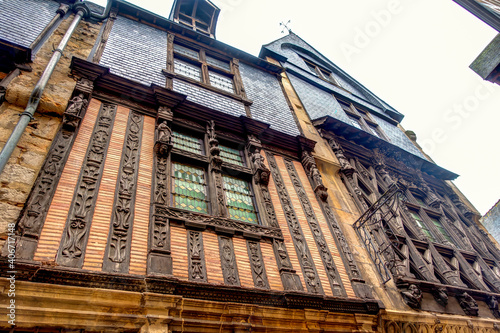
(163, 144)
(311, 277)
(77, 105)
(105, 35)
(413, 296)
(228, 261)
(75, 234)
(257, 264)
(468, 304)
(493, 305)
(326, 256)
(312, 170)
(33, 217)
(117, 254)
(197, 268)
(216, 168)
(217, 222)
(441, 296)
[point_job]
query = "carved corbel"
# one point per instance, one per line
(413, 296)
(77, 105)
(468, 304)
(440, 295)
(493, 305)
(312, 171)
(345, 166)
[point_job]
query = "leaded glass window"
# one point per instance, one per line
(186, 142)
(218, 63)
(189, 188)
(185, 51)
(221, 81)
(422, 226)
(441, 229)
(239, 200)
(187, 69)
(231, 155)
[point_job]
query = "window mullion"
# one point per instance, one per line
(204, 67)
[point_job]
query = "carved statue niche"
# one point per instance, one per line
(441, 296)
(468, 304)
(261, 172)
(312, 170)
(213, 143)
(77, 104)
(164, 142)
(413, 296)
(493, 305)
(339, 153)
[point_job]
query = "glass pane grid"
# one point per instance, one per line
(184, 50)
(218, 63)
(231, 155)
(186, 69)
(186, 142)
(239, 200)
(189, 188)
(220, 81)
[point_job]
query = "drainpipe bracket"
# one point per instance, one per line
(81, 6)
(26, 113)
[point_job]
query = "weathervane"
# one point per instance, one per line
(285, 26)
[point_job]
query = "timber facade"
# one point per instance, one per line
(173, 183)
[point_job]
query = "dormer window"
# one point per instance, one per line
(199, 15)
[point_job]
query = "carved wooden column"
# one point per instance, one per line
(311, 277)
(319, 238)
(105, 35)
(117, 253)
(228, 261)
(170, 61)
(35, 210)
(75, 235)
(218, 202)
(196, 257)
(261, 174)
(257, 265)
(159, 256)
(357, 281)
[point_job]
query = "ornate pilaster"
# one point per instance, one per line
(312, 171)
(117, 253)
(76, 232)
(257, 265)
(228, 261)
(311, 277)
(196, 256)
(159, 258)
(219, 202)
(326, 256)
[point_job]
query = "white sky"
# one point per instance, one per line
(415, 55)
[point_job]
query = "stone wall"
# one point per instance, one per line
(23, 166)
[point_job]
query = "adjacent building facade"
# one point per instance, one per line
(172, 183)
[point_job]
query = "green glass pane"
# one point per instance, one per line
(187, 143)
(231, 155)
(441, 229)
(239, 200)
(189, 188)
(422, 226)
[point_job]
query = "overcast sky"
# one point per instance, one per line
(414, 54)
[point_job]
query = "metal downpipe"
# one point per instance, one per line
(36, 94)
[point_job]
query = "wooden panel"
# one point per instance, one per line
(139, 247)
(306, 230)
(280, 216)
(273, 275)
(212, 258)
(57, 214)
(99, 229)
(178, 238)
(326, 230)
(243, 262)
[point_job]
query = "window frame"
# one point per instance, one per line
(204, 66)
(363, 117)
(202, 160)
